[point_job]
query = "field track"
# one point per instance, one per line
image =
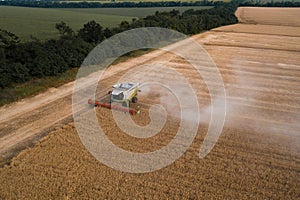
(256, 157)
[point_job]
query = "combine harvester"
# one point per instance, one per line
(120, 98)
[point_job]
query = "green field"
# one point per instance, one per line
(40, 22)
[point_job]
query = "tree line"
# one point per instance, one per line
(84, 4)
(271, 3)
(23, 61)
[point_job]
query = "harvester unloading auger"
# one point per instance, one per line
(120, 98)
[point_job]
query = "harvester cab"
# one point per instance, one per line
(124, 93)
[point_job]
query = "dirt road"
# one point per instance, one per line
(28, 120)
(257, 155)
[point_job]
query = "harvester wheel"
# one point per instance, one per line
(124, 104)
(134, 99)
